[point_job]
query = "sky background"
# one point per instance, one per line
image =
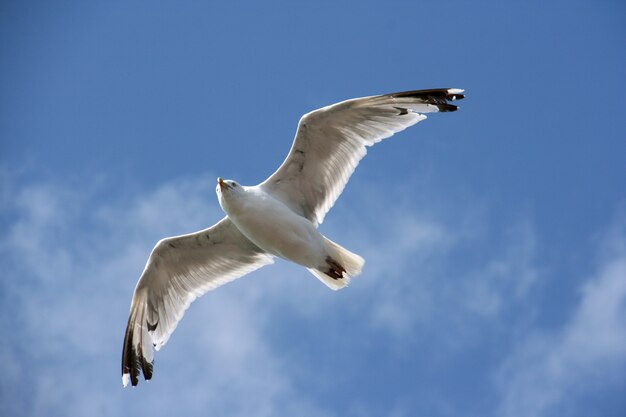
(494, 237)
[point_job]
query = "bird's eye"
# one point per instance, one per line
(234, 184)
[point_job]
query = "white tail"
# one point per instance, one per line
(342, 263)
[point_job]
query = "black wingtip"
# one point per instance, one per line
(443, 107)
(129, 355)
(133, 364)
(440, 93)
(437, 96)
(146, 368)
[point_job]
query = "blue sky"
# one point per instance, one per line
(494, 237)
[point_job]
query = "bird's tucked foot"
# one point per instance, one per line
(335, 271)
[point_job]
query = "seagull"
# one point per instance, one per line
(277, 218)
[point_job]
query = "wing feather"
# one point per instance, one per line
(179, 270)
(331, 141)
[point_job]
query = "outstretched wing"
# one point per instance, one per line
(331, 141)
(179, 270)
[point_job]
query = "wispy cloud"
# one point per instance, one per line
(440, 275)
(589, 351)
(507, 274)
(434, 285)
(76, 257)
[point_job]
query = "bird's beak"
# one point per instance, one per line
(222, 184)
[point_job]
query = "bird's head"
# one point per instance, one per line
(227, 187)
(226, 190)
(226, 184)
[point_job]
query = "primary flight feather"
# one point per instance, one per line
(278, 217)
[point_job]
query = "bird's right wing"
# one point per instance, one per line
(179, 270)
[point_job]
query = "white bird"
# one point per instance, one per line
(278, 217)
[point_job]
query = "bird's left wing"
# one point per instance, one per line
(179, 270)
(331, 141)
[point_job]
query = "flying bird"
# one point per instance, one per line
(277, 218)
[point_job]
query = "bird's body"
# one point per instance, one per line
(272, 226)
(277, 218)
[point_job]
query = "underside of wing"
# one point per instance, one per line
(331, 141)
(179, 270)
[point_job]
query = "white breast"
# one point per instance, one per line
(274, 227)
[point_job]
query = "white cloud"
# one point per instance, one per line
(506, 276)
(550, 368)
(84, 254)
(403, 267)
(430, 279)
(436, 275)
